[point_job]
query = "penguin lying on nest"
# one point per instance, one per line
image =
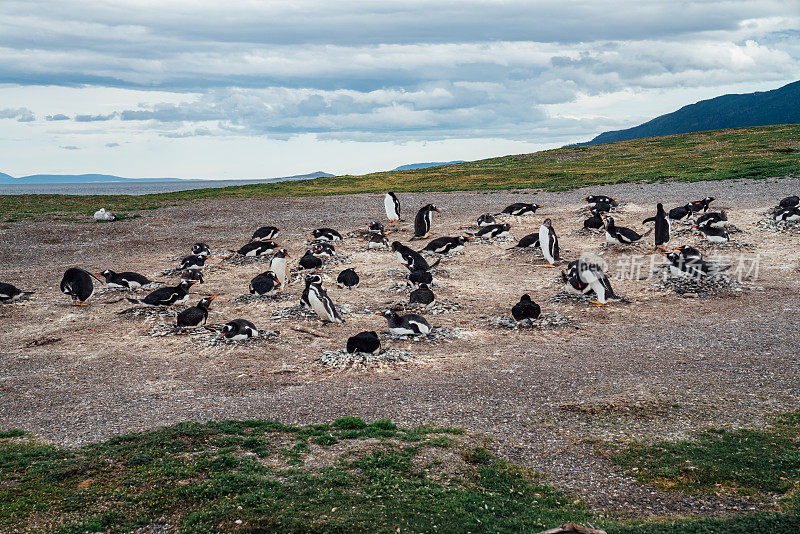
(10, 293)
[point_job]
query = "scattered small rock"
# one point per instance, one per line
(342, 359)
(545, 321)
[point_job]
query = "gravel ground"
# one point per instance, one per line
(659, 366)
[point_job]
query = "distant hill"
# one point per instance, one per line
(105, 178)
(779, 106)
(415, 166)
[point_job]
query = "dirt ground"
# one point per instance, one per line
(658, 366)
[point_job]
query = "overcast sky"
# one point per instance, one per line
(254, 89)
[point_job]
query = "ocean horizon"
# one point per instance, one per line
(121, 188)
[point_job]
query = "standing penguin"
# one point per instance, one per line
(661, 227)
(422, 222)
(309, 279)
(280, 267)
(392, 206)
(548, 242)
(322, 304)
(78, 284)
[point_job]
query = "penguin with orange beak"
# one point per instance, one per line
(127, 280)
(167, 296)
(193, 315)
(422, 222)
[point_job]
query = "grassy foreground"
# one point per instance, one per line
(347, 476)
(759, 152)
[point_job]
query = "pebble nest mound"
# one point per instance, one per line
(728, 245)
(506, 239)
(563, 296)
(340, 359)
(438, 307)
(152, 311)
(165, 330)
(277, 297)
(545, 321)
(701, 287)
(403, 287)
(438, 333)
(436, 255)
(403, 273)
(238, 259)
(299, 312)
(783, 227)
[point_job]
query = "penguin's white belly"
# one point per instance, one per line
(611, 239)
(116, 285)
(401, 331)
(423, 328)
(388, 203)
(238, 337)
(319, 307)
(182, 300)
(717, 239)
(133, 284)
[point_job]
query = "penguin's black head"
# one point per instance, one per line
(660, 206)
(396, 245)
(424, 286)
(461, 239)
(205, 302)
(313, 279)
(525, 298)
(108, 273)
(387, 313)
(507, 226)
(186, 284)
(548, 223)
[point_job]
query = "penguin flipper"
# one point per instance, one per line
(649, 219)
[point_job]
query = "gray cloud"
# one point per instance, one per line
(95, 118)
(57, 117)
(400, 71)
(21, 114)
(69, 147)
(112, 145)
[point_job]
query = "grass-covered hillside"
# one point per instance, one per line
(353, 476)
(758, 152)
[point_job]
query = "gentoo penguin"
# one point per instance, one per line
(619, 235)
(258, 248)
(419, 277)
(681, 213)
(713, 218)
(525, 309)
(201, 249)
(593, 200)
(519, 209)
(422, 295)
(10, 293)
(688, 252)
(529, 241)
(486, 219)
(411, 259)
(239, 330)
(366, 342)
(265, 284)
(322, 304)
(348, 278)
(443, 245)
(378, 241)
(595, 222)
(789, 202)
(787, 214)
(323, 250)
(493, 230)
(193, 315)
(326, 234)
(126, 279)
(392, 206)
(78, 284)
(193, 275)
(698, 205)
(661, 226)
(310, 261)
(103, 215)
(167, 296)
(280, 267)
(193, 262)
(422, 222)
(265, 233)
(714, 234)
(309, 279)
(572, 284)
(548, 242)
(410, 324)
(376, 226)
(593, 275)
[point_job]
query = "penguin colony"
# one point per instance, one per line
(580, 277)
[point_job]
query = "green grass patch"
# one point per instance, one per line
(752, 153)
(742, 461)
(252, 476)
